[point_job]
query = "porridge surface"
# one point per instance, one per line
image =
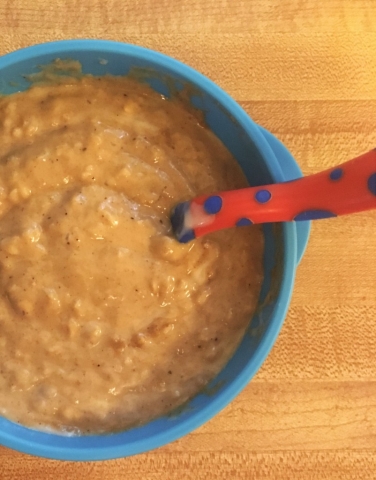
(105, 320)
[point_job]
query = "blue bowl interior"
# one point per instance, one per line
(243, 138)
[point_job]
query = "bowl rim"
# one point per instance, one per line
(228, 393)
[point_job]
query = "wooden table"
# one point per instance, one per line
(306, 70)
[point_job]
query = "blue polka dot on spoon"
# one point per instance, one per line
(187, 236)
(372, 183)
(314, 215)
(263, 196)
(243, 222)
(336, 174)
(213, 205)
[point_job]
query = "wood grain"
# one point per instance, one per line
(306, 70)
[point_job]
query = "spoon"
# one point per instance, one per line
(347, 188)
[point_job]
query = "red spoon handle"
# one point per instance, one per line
(348, 188)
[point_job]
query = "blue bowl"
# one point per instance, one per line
(263, 159)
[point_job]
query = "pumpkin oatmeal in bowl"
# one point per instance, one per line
(107, 323)
(106, 320)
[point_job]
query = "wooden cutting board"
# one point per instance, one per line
(306, 70)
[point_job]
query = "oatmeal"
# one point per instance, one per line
(106, 321)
